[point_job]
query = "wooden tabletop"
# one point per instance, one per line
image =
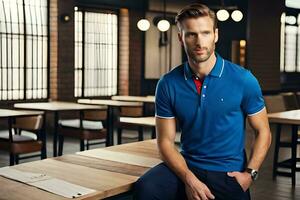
(144, 121)
(109, 102)
(57, 106)
(134, 154)
(146, 99)
(17, 113)
(108, 177)
(286, 117)
(106, 183)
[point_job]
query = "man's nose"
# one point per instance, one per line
(199, 40)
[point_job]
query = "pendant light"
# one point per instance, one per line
(163, 25)
(237, 15)
(143, 24)
(222, 15)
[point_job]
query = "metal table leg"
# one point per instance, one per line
(110, 128)
(55, 134)
(276, 151)
(294, 153)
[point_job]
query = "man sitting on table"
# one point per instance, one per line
(211, 98)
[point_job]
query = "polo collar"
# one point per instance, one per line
(216, 71)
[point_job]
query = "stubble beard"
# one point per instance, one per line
(200, 58)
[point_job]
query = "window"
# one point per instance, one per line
(24, 49)
(292, 4)
(290, 43)
(96, 54)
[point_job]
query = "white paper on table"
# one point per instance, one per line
(121, 157)
(47, 183)
(62, 188)
(24, 177)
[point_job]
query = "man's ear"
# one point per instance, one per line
(179, 34)
(216, 35)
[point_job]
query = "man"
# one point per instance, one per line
(210, 97)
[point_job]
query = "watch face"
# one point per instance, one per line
(254, 175)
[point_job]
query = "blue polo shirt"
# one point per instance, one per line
(212, 123)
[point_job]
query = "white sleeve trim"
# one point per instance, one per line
(164, 117)
(256, 112)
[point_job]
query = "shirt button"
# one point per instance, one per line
(203, 95)
(204, 86)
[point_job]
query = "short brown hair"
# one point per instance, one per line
(195, 11)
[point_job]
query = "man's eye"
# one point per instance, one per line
(191, 35)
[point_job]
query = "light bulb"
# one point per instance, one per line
(163, 25)
(237, 15)
(143, 24)
(222, 15)
(242, 43)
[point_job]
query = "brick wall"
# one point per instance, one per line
(61, 50)
(136, 53)
(66, 51)
(263, 41)
(123, 82)
(53, 37)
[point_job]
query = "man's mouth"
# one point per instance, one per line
(200, 50)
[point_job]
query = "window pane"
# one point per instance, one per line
(290, 48)
(13, 40)
(99, 53)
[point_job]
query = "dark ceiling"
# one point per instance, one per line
(140, 4)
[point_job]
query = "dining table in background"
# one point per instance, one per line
(111, 106)
(290, 118)
(146, 100)
(56, 107)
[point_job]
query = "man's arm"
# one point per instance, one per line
(259, 122)
(166, 131)
(263, 139)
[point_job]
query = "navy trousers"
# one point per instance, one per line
(160, 183)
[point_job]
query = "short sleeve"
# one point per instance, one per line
(163, 106)
(253, 101)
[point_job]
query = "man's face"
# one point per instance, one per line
(198, 37)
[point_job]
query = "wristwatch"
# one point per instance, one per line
(253, 173)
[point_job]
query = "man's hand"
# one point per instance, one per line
(243, 178)
(195, 189)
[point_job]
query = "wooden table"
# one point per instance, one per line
(141, 122)
(56, 107)
(112, 104)
(107, 177)
(145, 99)
(12, 114)
(9, 113)
(291, 118)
